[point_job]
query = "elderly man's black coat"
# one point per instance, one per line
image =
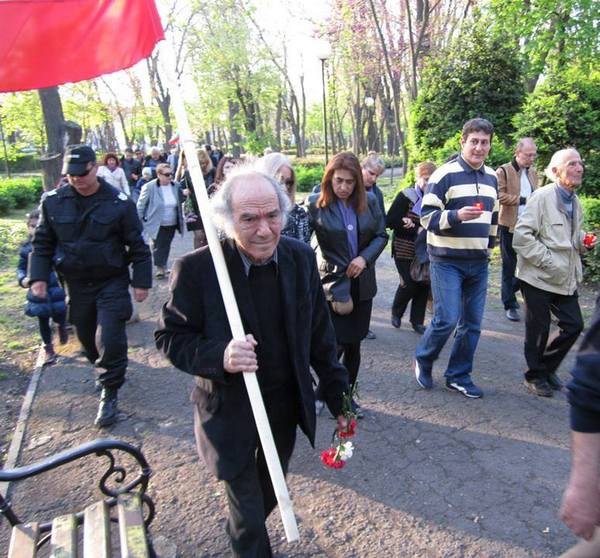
(193, 333)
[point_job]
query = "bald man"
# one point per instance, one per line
(548, 240)
(516, 182)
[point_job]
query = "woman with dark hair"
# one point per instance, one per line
(350, 231)
(160, 211)
(113, 173)
(280, 167)
(404, 217)
(225, 166)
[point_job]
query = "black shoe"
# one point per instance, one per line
(539, 387)
(513, 315)
(554, 382)
(63, 334)
(370, 335)
(107, 410)
(396, 321)
(419, 328)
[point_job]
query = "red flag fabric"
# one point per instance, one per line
(50, 42)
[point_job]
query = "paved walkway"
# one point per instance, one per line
(434, 474)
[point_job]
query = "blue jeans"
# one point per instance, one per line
(459, 289)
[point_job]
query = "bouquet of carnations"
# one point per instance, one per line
(342, 448)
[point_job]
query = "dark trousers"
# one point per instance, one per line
(349, 355)
(510, 284)
(250, 494)
(162, 245)
(46, 329)
(409, 290)
(543, 354)
(99, 312)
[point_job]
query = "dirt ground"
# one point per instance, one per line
(434, 474)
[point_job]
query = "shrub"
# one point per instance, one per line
(591, 222)
(479, 75)
(565, 111)
(308, 177)
(11, 236)
(16, 193)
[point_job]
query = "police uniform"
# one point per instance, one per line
(91, 241)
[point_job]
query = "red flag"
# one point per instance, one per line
(50, 42)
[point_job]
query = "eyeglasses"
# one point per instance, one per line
(80, 175)
(167, 174)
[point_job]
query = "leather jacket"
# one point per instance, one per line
(333, 254)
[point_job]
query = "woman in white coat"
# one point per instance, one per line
(160, 210)
(113, 173)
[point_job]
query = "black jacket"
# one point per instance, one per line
(91, 245)
(333, 254)
(584, 387)
(193, 333)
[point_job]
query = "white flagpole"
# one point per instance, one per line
(286, 509)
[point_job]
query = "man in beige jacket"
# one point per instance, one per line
(549, 241)
(516, 182)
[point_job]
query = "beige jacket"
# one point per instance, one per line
(548, 246)
(509, 192)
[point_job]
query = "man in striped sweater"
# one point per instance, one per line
(460, 213)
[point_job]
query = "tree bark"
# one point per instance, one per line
(58, 132)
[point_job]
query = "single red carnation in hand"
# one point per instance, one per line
(350, 430)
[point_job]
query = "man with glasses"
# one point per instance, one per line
(516, 182)
(549, 242)
(90, 232)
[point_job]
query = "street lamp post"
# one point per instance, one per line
(324, 110)
(324, 53)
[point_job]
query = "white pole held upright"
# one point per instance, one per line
(233, 315)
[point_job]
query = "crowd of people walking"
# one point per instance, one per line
(304, 274)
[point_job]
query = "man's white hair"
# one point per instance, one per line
(222, 210)
(556, 161)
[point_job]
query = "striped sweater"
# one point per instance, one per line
(451, 187)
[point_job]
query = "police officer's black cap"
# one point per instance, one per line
(77, 158)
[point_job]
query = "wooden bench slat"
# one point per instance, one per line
(96, 531)
(132, 532)
(23, 541)
(63, 541)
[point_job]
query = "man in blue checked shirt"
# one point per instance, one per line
(460, 213)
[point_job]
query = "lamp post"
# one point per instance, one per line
(4, 145)
(324, 53)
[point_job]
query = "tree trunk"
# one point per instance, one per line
(234, 135)
(278, 124)
(58, 133)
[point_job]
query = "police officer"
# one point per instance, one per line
(91, 233)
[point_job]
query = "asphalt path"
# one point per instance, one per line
(434, 474)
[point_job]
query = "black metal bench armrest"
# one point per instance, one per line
(102, 447)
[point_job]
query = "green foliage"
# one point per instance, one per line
(565, 111)
(477, 76)
(549, 34)
(11, 236)
(16, 193)
(308, 177)
(591, 222)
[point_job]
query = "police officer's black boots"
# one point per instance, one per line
(107, 410)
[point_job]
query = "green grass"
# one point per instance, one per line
(19, 334)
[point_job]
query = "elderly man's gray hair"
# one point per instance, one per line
(556, 161)
(222, 210)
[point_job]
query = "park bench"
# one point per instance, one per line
(124, 503)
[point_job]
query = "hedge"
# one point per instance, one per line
(17, 193)
(308, 177)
